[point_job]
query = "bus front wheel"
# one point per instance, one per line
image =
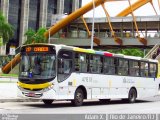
(132, 95)
(47, 102)
(78, 98)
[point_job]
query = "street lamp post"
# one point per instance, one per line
(92, 37)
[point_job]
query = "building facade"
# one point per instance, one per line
(25, 14)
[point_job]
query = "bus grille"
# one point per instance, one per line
(30, 94)
(33, 89)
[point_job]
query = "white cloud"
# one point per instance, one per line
(115, 7)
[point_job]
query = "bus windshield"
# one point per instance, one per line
(38, 66)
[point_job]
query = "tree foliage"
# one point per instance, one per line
(6, 29)
(132, 52)
(35, 37)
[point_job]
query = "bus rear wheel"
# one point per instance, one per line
(47, 102)
(78, 98)
(132, 95)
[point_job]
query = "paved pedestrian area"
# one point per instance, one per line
(8, 88)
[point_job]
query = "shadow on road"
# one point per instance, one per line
(86, 103)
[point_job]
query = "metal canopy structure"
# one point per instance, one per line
(78, 13)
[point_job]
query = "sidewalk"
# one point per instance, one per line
(8, 89)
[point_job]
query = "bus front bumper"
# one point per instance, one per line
(50, 94)
(46, 92)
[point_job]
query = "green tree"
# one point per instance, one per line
(131, 52)
(6, 29)
(35, 37)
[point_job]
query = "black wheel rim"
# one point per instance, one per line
(79, 97)
(132, 96)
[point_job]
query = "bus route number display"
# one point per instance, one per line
(37, 49)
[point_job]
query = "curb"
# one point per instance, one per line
(8, 77)
(18, 100)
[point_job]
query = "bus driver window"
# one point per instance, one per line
(64, 64)
(37, 66)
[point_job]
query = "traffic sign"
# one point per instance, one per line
(12, 50)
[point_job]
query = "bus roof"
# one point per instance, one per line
(105, 53)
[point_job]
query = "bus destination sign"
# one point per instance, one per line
(37, 49)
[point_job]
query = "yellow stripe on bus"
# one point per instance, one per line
(34, 86)
(158, 75)
(74, 82)
(83, 50)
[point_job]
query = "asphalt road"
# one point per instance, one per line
(148, 105)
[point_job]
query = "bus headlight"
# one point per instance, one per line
(48, 88)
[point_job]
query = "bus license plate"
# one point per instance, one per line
(31, 94)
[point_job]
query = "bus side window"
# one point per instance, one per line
(64, 64)
(123, 67)
(133, 68)
(96, 64)
(109, 66)
(144, 69)
(76, 63)
(152, 69)
(81, 62)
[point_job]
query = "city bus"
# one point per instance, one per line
(51, 72)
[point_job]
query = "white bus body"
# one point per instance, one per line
(93, 86)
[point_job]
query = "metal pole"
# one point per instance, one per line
(144, 52)
(92, 37)
(11, 71)
(49, 37)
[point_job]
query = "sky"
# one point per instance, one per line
(114, 8)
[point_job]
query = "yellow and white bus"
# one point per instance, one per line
(58, 72)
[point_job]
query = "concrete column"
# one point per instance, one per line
(0, 6)
(122, 34)
(60, 6)
(99, 30)
(75, 5)
(43, 13)
(146, 29)
(24, 21)
(5, 8)
(133, 32)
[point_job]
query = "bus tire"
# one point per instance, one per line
(78, 97)
(132, 95)
(47, 102)
(104, 101)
